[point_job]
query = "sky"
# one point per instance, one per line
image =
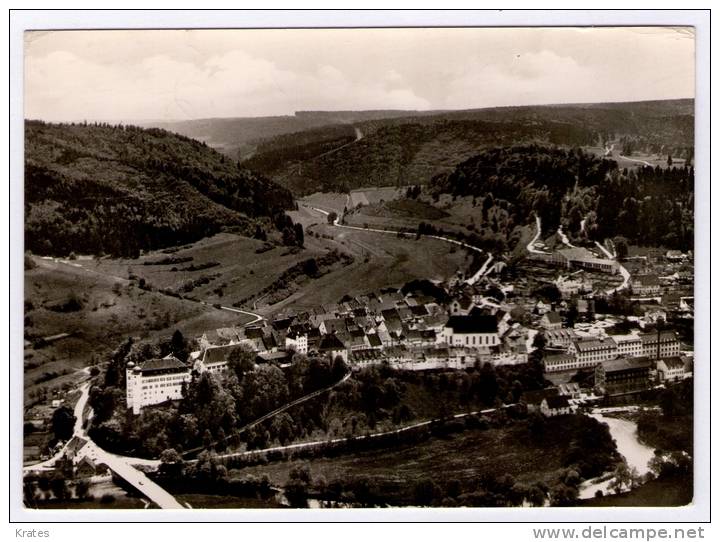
(140, 75)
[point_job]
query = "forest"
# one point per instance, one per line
(115, 189)
(589, 196)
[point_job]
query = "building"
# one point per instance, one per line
(155, 381)
(660, 345)
(533, 399)
(551, 320)
(589, 352)
(298, 341)
(647, 285)
(557, 405)
(670, 369)
(624, 374)
(582, 258)
(472, 331)
(629, 346)
(461, 306)
(560, 362)
(332, 346)
(560, 337)
(215, 358)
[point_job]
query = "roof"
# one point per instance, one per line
(331, 342)
(673, 362)
(218, 354)
(169, 363)
(651, 338)
(558, 358)
(580, 254)
(374, 339)
(624, 364)
(588, 345)
(472, 324)
(558, 401)
(646, 280)
(553, 317)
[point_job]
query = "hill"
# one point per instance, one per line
(121, 189)
(412, 149)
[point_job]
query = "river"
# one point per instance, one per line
(635, 453)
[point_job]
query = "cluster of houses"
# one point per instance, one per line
(416, 331)
(410, 332)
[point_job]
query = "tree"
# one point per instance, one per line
(171, 462)
(63, 423)
(241, 360)
(299, 235)
(179, 346)
(621, 247)
(332, 217)
(425, 492)
(488, 384)
(670, 160)
(297, 485)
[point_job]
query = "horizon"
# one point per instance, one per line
(322, 111)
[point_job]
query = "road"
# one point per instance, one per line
(302, 445)
(564, 238)
(624, 272)
(393, 232)
(358, 137)
(643, 162)
(531, 244)
(283, 408)
(121, 466)
(480, 272)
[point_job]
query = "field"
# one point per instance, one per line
(464, 457)
(372, 195)
(200, 500)
(98, 309)
(637, 159)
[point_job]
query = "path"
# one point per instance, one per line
(121, 466)
(643, 162)
(281, 409)
(393, 232)
(481, 272)
(531, 244)
(358, 137)
(624, 272)
(301, 445)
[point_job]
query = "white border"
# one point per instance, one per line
(20, 21)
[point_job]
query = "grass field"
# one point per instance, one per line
(111, 308)
(373, 195)
(464, 457)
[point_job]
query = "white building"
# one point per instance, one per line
(671, 369)
(470, 331)
(628, 346)
(669, 344)
(590, 352)
(155, 381)
(297, 341)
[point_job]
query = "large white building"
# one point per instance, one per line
(669, 344)
(155, 381)
(474, 330)
(590, 352)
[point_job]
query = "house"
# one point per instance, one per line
(670, 369)
(622, 375)
(363, 358)
(645, 285)
(675, 256)
(560, 337)
(569, 389)
(591, 351)
(551, 320)
(155, 381)
(533, 399)
(298, 341)
(471, 330)
(661, 344)
(558, 405)
(462, 305)
(559, 362)
(374, 341)
(85, 468)
(582, 258)
(654, 315)
(215, 358)
(331, 346)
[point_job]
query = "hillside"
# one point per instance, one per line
(121, 189)
(415, 148)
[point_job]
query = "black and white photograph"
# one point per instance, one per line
(378, 267)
